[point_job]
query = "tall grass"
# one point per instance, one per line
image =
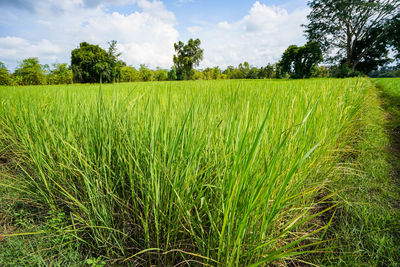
(220, 173)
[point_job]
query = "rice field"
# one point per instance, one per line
(218, 173)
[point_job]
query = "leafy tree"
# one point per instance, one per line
(129, 74)
(60, 74)
(244, 70)
(253, 73)
(172, 74)
(187, 56)
(145, 74)
(90, 64)
(353, 28)
(212, 73)
(320, 72)
(393, 35)
(115, 64)
(386, 72)
(267, 72)
(372, 58)
(198, 75)
(228, 72)
(160, 74)
(30, 72)
(5, 78)
(299, 62)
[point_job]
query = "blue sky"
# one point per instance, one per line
(231, 31)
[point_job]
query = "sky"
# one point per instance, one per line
(231, 32)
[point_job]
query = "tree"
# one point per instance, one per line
(353, 28)
(372, 58)
(187, 56)
(115, 64)
(161, 74)
(129, 74)
(299, 62)
(393, 35)
(60, 74)
(30, 72)
(320, 72)
(172, 74)
(145, 74)
(5, 78)
(267, 72)
(244, 69)
(89, 64)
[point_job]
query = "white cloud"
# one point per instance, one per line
(146, 36)
(225, 25)
(259, 37)
(11, 48)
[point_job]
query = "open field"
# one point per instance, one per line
(228, 173)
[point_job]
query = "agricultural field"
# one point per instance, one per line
(193, 173)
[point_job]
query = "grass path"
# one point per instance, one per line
(366, 229)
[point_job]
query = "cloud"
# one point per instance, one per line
(11, 48)
(259, 37)
(224, 25)
(19, 4)
(145, 36)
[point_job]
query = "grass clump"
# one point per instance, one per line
(221, 173)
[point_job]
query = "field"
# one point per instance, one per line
(227, 173)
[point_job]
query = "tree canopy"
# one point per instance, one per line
(187, 56)
(60, 74)
(5, 78)
(30, 72)
(394, 35)
(299, 62)
(355, 29)
(90, 63)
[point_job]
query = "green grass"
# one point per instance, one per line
(228, 173)
(366, 228)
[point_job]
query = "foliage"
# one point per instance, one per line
(187, 57)
(129, 74)
(246, 71)
(89, 63)
(172, 76)
(145, 73)
(373, 58)
(299, 62)
(30, 72)
(95, 262)
(320, 72)
(343, 71)
(212, 73)
(160, 75)
(92, 64)
(356, 29)
(393, 35)
(115, 64)
(386, 72)
(5, 78)
(47, 243)
(60, 74)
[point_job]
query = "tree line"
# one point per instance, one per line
(351, 38)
